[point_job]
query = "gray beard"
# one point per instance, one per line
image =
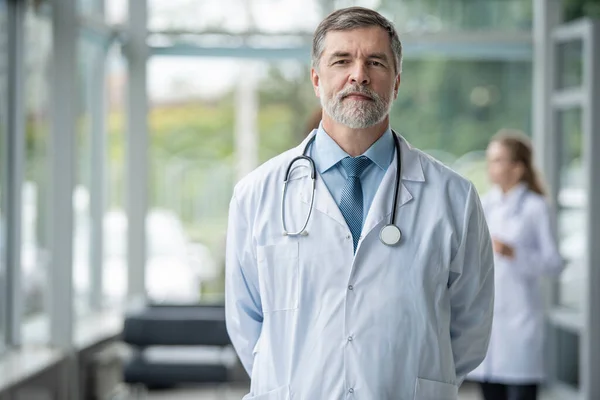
(357, 116)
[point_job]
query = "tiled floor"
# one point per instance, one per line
(225, 392)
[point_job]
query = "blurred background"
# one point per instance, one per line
(124, 126)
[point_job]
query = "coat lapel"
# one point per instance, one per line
(381, 208)
(323, 201)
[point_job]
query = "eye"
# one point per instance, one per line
(340, 62)
(376, 63)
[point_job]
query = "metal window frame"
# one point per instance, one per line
(590, 348)
(100, 36)
(62, 163)
(136, 52)
(485, 46)
(15, 171)
(4, 164)
(98, 178)
(585, 322)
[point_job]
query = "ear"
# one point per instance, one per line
(396, 87)
(314, 77)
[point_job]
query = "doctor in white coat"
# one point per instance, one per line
(525, 249)
(336, 313)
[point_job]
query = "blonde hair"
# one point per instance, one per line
(521, 151)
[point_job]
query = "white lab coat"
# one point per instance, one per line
(309, 319)
(521, 219)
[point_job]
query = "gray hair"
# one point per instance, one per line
(350, 18)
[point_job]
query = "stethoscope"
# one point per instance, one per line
(389, 235)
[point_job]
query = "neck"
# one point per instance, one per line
(508, 187)
(354, 141)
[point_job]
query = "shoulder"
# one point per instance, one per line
(535, 204)
(491, 198)
(268, 175)
(442, 178)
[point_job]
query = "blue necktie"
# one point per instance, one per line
(351, 202)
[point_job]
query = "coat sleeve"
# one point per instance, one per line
(471, 287)
(243, 309)
(543, 258)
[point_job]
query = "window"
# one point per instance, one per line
(570, 64)
(457, 15)
(448, 108)
(235, 15)
(90, 7)
(451, 108)
(115, 11)
(82, 274)
(287, 103)
(34, 242)
(293, 16)
(572, 214)
(114, 269)
(192, 125)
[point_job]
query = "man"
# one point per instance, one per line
(334, 312)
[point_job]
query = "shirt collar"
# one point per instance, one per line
(328, 153)
(510, 198)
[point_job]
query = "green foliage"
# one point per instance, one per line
(459, 15)
(458, 105)
(574, 9)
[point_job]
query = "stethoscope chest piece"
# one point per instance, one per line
(390, 235)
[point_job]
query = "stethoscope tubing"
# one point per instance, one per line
(313, 176)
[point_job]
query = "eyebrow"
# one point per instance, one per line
(342, 54)
(339, 54)
(378, 56)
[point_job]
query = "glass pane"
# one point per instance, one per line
(287, 107)
(115, 11)
(88, 57)
(114, 280)
(34, 252)
(192, 175)
(235, 15)
(570, 64)
(90, 7)
(567, 351)
(3, 163)
(572, 214)
(460, 15)
(296, 16)
(450, 109)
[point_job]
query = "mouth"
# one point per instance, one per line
(357, 96)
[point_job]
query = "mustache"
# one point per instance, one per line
(364, 91)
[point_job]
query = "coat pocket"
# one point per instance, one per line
(434, 390)
(278, 270)
(281, 393)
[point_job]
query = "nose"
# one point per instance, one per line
(360, 75)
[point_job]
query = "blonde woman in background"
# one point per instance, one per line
(525, 249)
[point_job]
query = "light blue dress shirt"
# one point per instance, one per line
(327, 154)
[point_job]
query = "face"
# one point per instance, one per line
(356, 80)
(502, 170)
